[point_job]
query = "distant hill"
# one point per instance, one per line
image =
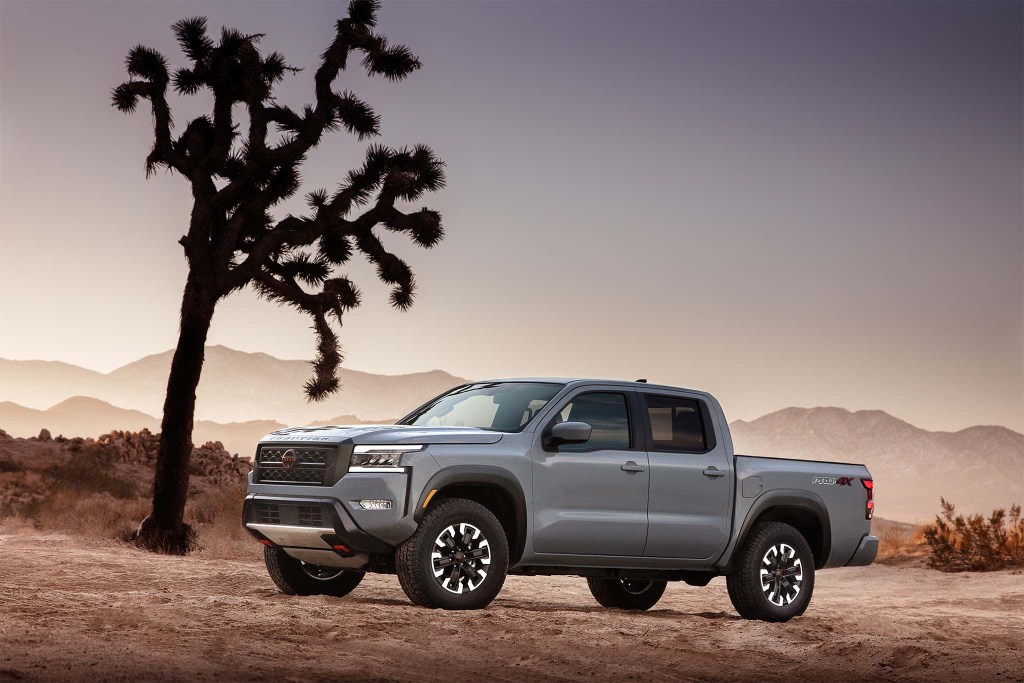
(246, 395)
(235, 387)
(90, 417)
(977, 468)
(76, 416)
(83, 416)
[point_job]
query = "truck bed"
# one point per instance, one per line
(833, 487)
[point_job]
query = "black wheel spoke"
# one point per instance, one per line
(453, 580)
(459, 565)
(781, 582)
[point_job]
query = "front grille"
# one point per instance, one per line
(268, 513)
(315, 516)
(293, 465)
(310, 515)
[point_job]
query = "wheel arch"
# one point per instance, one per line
(495, 488)
(802, 510)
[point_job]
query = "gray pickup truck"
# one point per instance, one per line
(627, 484)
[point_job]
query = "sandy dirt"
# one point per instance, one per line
(76, 611)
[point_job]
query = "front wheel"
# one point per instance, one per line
(293, 577)
(457, 559)
(774, 575)
(631, 594)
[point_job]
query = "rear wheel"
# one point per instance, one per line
(632, 594)
(457, 559)
(293, 577)
(774, 575)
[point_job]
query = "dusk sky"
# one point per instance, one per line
(781, 203)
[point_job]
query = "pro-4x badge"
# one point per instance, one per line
(833, 481)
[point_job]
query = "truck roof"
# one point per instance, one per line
(587, 380)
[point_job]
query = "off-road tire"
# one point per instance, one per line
(744, 581)
(626, 594)
(291, 578)
(414, 563)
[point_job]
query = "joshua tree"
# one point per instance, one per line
(234, 240)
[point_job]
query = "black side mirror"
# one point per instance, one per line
(570, 432)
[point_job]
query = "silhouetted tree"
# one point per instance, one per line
(233, 239)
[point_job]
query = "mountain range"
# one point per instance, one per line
(978, 468)
(246, 395)
(235, 387)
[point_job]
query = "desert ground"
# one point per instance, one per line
(83, 610)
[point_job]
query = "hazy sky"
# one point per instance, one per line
(782, 203)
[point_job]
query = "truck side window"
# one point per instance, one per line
(676, 424)
(607, 414)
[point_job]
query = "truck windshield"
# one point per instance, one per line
(496, 406)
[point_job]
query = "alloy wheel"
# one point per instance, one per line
(460, 558)
(782, 574)
(636, 587)
(321, 573)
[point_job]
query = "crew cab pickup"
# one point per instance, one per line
(628, 484)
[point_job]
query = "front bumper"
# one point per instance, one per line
(865, 553)
(315, 530)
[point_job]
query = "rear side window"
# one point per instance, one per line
(607, 415)
(676, 424)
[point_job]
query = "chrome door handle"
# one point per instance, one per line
(715, 472)
(631, 466)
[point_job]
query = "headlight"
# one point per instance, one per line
(380, 456)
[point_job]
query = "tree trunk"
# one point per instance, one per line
(164, 530)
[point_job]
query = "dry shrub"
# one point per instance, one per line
(88, 471)
(94, 515)
(975, 543)
(89, 492)
(898, 543)
(217, 516)
(10, 465)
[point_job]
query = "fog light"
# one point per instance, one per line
(375, 504)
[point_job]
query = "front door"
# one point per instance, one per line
(691, 479)
(591, 498)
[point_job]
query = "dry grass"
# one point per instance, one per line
(88, 470)
(898, 543)
(217, 517)
(85, 493)
(214, 514)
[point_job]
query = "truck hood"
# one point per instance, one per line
(384, 434)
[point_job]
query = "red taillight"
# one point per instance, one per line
(342, 548)
(269, 544)
(869, 509)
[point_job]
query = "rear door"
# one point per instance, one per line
(591, 498)
(690, 506)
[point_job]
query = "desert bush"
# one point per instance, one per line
(92, 515)
(90, 491)
(88, 470)
(975, 543)
(897, 543)
(216, 515)
(10, 465)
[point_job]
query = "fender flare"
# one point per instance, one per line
(487, 475)
(791, 498)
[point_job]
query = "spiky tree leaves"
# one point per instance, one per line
(240, 173)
